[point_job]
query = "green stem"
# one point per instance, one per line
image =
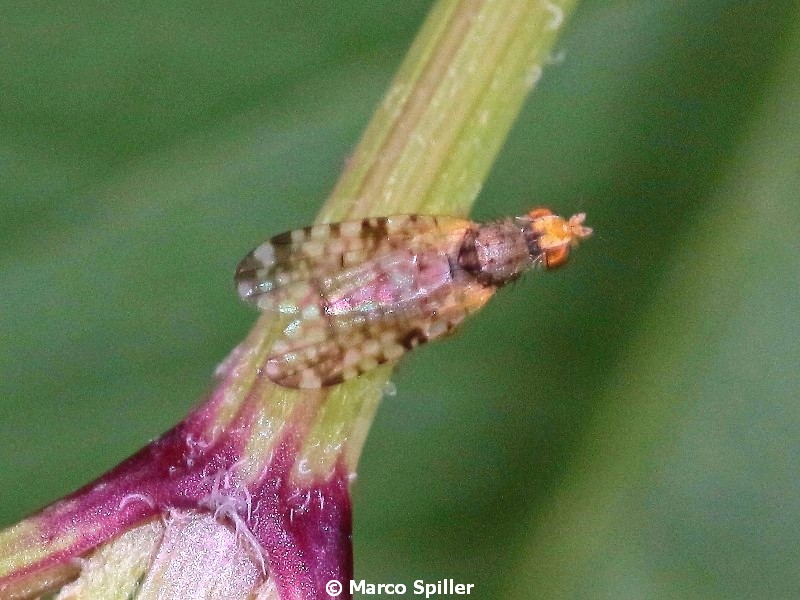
(437, 132)
(427, 150)
(433, 139)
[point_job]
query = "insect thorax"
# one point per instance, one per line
(495, 253)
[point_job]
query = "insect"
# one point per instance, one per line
(358, 294)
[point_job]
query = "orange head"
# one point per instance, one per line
(556, 235)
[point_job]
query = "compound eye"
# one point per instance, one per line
(557, 256)
(537, 213)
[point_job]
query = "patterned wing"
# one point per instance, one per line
(330, 349)
(292, 270)
(358, 293)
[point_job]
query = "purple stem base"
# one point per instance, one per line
(303, 530)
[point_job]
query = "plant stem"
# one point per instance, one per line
(273, 461)
(433, 139)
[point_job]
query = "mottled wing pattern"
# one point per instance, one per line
(276, 275)
(323, 351)
(359, 293)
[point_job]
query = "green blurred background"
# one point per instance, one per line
(626, 427)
